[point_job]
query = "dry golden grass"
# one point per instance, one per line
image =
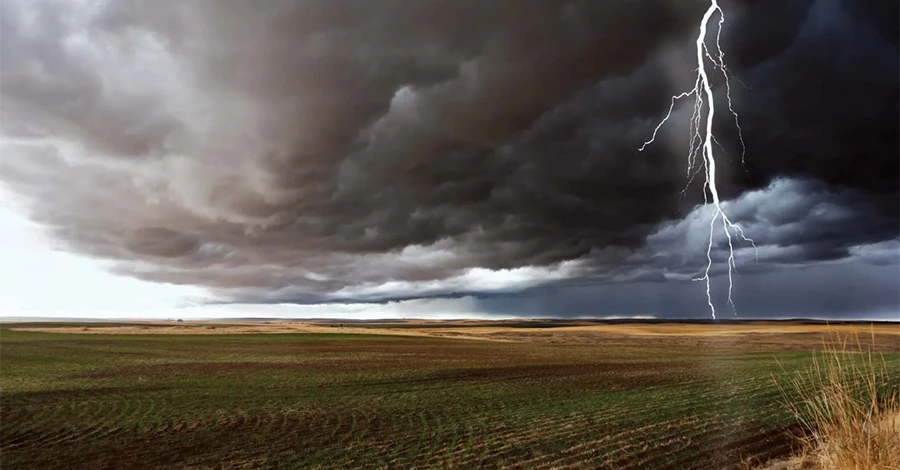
(723, 337)
(213, 328)
(497, 331)
(849, 410)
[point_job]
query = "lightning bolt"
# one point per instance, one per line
(701, 145)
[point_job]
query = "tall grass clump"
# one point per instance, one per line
(848, 403)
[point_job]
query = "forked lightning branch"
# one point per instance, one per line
(701, 143)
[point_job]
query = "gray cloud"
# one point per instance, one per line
(355, 149)
(791, 222)
(844, 289)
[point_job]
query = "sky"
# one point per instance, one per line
(443, 159)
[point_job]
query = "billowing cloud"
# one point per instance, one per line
(362, 150)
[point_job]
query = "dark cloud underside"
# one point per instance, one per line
(308, 150)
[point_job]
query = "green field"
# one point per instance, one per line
(376, 401)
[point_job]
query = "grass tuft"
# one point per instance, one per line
(849, 407)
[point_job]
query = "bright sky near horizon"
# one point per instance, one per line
(36, 279)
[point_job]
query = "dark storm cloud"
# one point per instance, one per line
(356, 149)
(845, 289)
(831, 111)
(789, 224)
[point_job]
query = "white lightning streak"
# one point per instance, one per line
(702, 143)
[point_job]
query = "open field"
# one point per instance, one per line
(403, 394)
(518, 330)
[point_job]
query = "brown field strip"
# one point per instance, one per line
(475, 330)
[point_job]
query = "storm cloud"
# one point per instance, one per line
(310, 151)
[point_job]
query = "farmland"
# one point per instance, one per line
(403, 395)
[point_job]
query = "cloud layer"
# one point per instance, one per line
(364, 150)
